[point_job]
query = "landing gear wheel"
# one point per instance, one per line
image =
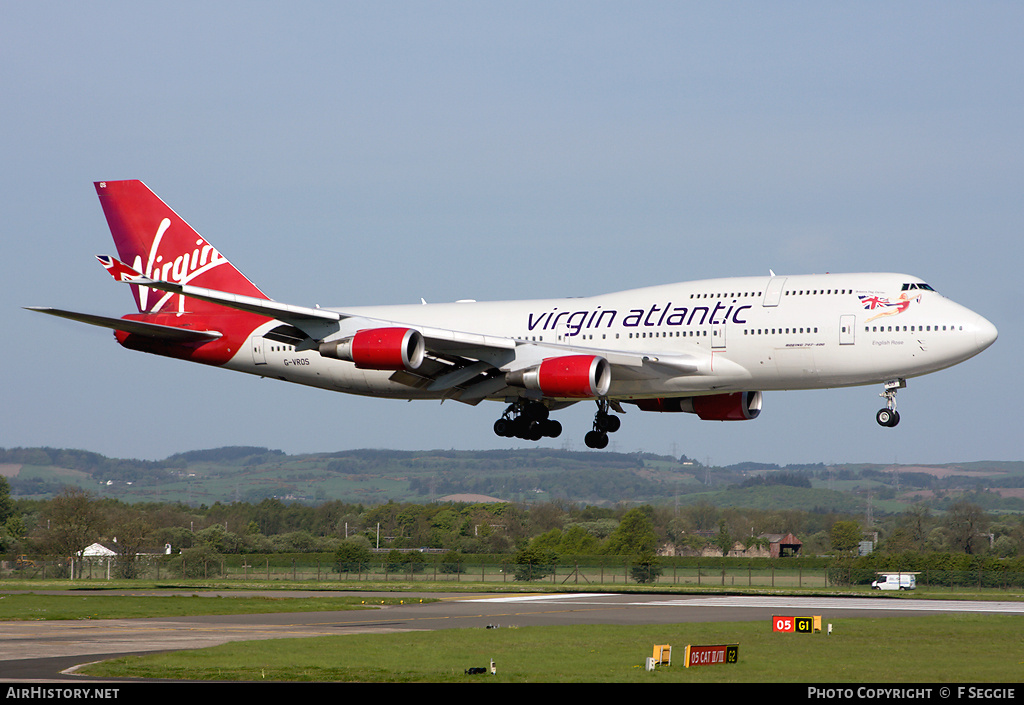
(887, 417)
(552, 429)
(535, 411)
(596, 439)
(604, 423)
(527, 420)
(607, 423)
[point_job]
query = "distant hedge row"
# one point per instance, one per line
(941, 569)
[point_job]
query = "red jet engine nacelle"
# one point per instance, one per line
(379, 349)
(569, 376)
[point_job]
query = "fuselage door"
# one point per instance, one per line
(258, 345)
(718, 337)
(847, 324)
(773, 294)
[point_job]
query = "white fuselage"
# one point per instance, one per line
(748, 333)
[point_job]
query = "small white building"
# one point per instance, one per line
(101, 554)
(109, 550)
(97, 550)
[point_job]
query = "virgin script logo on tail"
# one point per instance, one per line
(182, 269)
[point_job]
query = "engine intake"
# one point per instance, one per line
(737, 406)
(379, 349)
(572, 376)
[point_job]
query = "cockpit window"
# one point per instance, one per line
(917, 285)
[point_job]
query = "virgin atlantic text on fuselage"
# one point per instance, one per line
(652, 317)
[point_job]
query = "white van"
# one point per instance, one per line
(895, 581)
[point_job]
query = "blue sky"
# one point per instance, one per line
(346, 153)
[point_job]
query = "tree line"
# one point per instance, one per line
(535, 534)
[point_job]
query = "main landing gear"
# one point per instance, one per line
(604, 423)
(889, 416)
(527, 420)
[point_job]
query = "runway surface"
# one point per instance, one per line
(44, 651)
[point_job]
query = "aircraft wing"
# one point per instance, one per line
(472, 373)
(470, 366)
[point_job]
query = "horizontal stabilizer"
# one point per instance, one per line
(264, 307)
(151, 330)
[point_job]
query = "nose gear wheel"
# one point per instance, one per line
(888, 416)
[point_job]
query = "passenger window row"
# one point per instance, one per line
(817, 292)
(779, 331)
(669, 334)
(732, 295)
(911, 329)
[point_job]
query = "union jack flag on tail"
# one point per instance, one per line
(119, 270)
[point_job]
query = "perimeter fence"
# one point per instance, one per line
(597, 571)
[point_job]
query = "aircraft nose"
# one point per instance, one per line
(984, 333)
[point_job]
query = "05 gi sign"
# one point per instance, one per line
(793, 624)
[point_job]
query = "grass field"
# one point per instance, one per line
(939, 649)
(927, 649)
(27, 607)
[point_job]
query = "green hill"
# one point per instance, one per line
(369, 476)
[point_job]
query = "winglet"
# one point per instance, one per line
(119, 270)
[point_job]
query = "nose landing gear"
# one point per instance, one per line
(888, 416)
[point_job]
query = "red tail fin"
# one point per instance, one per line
(154, 240)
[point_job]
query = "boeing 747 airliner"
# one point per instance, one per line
(707, 347)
